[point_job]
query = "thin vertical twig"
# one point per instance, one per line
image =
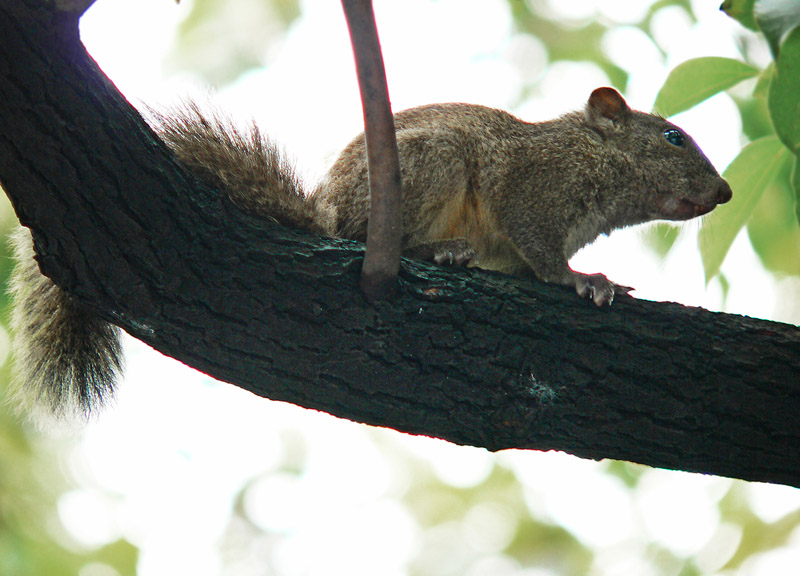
(384, 230)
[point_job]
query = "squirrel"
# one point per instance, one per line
(480, 188)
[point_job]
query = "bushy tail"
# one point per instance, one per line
(240, 161)
(66, 360)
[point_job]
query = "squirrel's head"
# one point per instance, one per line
(668, 176)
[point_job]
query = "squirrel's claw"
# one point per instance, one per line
(598, 288)
(451, 252)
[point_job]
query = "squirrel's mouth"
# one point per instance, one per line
(683, 209)
(676, 208)
(698, 209)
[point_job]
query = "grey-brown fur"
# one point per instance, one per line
(527, 196)
(479, 186)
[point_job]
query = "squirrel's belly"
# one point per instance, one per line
(467, 216)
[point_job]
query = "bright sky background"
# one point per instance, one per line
(163, 466)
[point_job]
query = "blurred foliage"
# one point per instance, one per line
(764, 176)
(491, 522)
(581, 40)
(741, 10)
(222, 40)
(576, 41)
(776, 19)
(750, 175)
(500, 504)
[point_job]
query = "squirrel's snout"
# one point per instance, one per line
(724, 192)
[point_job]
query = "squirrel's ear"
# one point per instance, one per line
(607, 103)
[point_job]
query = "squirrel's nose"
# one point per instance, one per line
(724, 192)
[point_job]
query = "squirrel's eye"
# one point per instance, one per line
(674, 137)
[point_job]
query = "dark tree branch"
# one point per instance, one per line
(78, 7)
(469, 356)
(384, 228)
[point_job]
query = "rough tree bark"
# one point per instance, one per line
(472, 357)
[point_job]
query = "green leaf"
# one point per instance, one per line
(696, 80)
(772, 228)
(796, 186)
(741, 11)
(750, 173)
(776, 18)
(220, 41)
(784, 92)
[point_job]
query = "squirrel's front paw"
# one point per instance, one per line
(598, 288)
